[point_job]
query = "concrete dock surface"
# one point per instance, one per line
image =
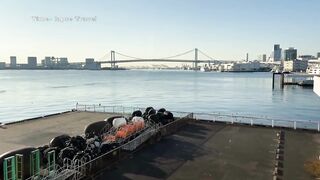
(40, 131)
(219, 152)
(199, 150)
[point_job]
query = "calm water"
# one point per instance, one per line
(25, 94)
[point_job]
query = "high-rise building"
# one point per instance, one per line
(276, 52)
(318, 55)
(290, 54)
(13, 61)
(264, 57)
(32, 62)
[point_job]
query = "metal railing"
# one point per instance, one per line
(215, 117)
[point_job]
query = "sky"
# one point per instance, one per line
(223, 29)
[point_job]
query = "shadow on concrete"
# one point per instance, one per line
(160, 160)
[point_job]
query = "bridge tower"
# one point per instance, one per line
(113, 59)
(195, 59)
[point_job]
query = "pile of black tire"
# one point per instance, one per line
(161, 116)
(91, 145)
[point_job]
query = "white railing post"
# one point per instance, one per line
(272, 123)
(104, 109)
(94, 108)
(294, 125)
(251, 121)
(318, 125)
(77, 106)
(85, 107)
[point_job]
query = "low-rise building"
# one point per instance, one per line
(2, 65)
(313, 66)
(47, 62)
(92, 65)
(306, 57)
(295, 66)
(240, 66)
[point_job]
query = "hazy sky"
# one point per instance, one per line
(224, 29)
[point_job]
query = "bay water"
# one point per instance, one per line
(31, 93)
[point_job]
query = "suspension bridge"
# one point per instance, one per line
(175, 58)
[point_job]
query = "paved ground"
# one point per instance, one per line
(218, 151)
(202, 151)
(199, 150)
(41, 131)
(299, 147)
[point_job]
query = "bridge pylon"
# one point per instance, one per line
(113, 59)
(195, 64)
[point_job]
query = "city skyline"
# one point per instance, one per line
(225, 30)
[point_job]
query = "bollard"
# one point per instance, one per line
(272, 80)
(295, 125)
(272, 123)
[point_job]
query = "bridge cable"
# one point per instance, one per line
(205, 55)
(105, 56)
(136, 58)
(181, 54)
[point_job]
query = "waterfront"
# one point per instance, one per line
(26, 94)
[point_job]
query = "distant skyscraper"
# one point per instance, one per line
(13, 61)
(318, 55)
(264, 57)
(290, 54)
(276, 52)
(32, 62)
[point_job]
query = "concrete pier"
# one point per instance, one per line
(203, 150)
(199, 150)
(40, 131)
